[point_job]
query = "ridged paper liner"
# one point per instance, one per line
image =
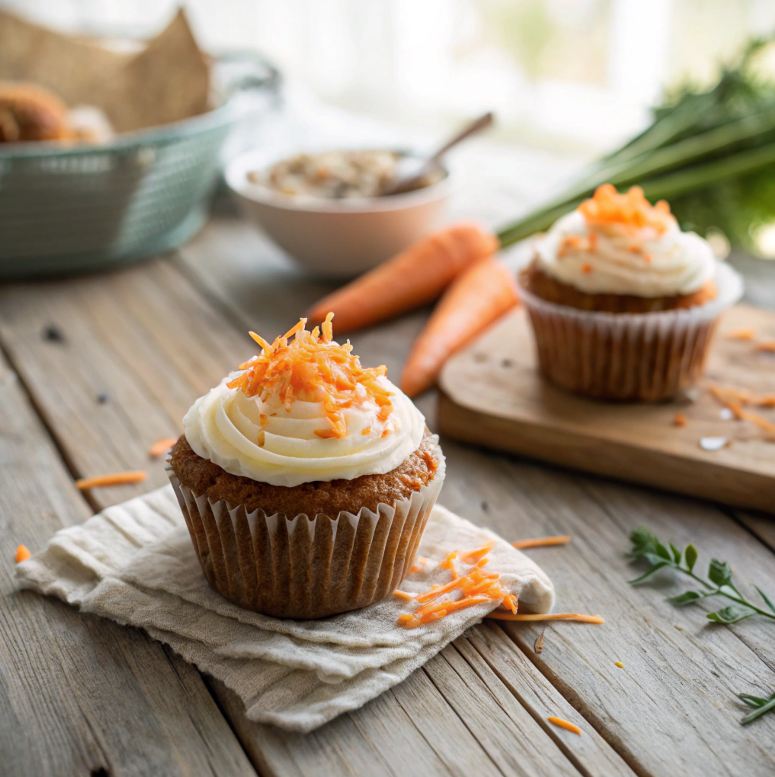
(307, 568)
(628, 356)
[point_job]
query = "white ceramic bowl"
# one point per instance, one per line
(335, 238)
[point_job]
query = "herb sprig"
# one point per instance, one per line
(646, 545)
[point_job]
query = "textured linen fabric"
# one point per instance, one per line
(134, 563)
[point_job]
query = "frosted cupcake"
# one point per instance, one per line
(622, 302)
(306, 480)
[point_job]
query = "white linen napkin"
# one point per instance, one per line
(134, 563)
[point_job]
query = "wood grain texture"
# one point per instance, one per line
(157, 341)
(138, 335)
(493, 395)
(77, 693)
(674, 698)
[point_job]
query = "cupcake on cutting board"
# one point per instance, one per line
(306, 479)
(623, 303)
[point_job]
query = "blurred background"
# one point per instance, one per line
(575, 76)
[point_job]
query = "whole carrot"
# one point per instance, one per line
(415, 277)
(478, 297)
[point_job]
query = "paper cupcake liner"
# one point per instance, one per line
(307, 568)
(628, 356)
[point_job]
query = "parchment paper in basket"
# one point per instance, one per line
(165, 81)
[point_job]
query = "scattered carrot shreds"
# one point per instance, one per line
(407, 597)
(767, 346)
(554, 616)
(541, 541)
(560, 723)
(679, 419)
(742, 334)
(632, 209)
(113, 479)
(472, 556)
(734, 399)
(510, 603)
(419, 564)
(312, 367)
(160, 447)
(449, 563)
(22, 554)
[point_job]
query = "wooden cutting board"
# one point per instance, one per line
(493, 395)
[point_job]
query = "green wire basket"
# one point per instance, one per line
(66, 210)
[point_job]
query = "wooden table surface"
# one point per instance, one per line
(94, 369)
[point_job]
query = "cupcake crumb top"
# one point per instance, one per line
(314, 368)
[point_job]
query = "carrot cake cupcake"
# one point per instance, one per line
(305, 479)
(623, 304)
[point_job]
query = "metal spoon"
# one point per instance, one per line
(411, 170)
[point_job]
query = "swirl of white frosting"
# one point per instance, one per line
(225, 426)
(619, 260)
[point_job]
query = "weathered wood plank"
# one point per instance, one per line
(138, 334)
(79, 694)
(679, 687)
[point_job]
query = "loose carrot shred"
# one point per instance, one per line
(160, 447)
(742, 334)
(477, 554)
(448, 563)
(560, 723)
(477, 298)
(555, 616)
(766, 345)
(586, 268)
(407, 597)
(411, 279)
(734, 399)
(22, 554)
(541, 541)
(113, 479)
(679, 419)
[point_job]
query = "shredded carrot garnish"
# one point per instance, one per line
(448, 563)
(366, 430)
(407, 597)
(541, 541)
(592, 242)
(510, 603)
(632, 209)
(476, 554)
(766, 346)
(647, 258)
(160, 447)
(742, 334)
(586, 268)
(314, 368)
(555, 616)
(22, 554)
(734, 399)
(114, 479)
(419, 564)
(560, 723)
(679, 419)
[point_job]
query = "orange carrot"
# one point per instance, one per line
(114, 479)
(555, 616)
(22, 554)
(477, 298)
(407, 597)
(415, 277)
(539, 542)
(560, 723)
(766, 345)
(160, 447)
(679, 419)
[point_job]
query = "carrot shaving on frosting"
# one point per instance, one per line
(312, 367)
(632, 209)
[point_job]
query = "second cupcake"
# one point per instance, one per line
(622, 302)
(305, 479)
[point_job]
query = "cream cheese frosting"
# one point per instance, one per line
(283, 438)
(615, 258)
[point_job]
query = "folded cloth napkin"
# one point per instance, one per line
(135, 563)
